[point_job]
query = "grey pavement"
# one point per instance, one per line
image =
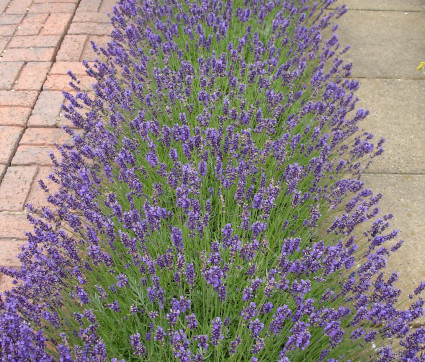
(387, 39)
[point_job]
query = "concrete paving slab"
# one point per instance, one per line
(397, 114)
(384, 44)
(404, 197)
(387, 5)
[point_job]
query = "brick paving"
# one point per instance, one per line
(40, 40)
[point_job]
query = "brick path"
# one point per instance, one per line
(40, 40)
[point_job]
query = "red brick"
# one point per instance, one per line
(9, 139)
(34, 155)
(37, 196)
(9, 252)
(3, 5)
(8, 73)
(61, 82)
(6, 282)
(107, 5)
(35, 41)
(18, 99)
(15, 187)
(10, 19)
(90, 28)
(89, 5)
(56, 24)
(55, 1)
(44, 136)
(3, 42)
(88, 52)
(14, 116)
(32, 76)
(18, 6)
(81, 17)
(71, 48)
(75, 67)
(7, 30)
(46, 110)
(32, 24)
(14, 225)
(53, 8)
(29, 54)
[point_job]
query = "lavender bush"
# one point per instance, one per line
(213, 208)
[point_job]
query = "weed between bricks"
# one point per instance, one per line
(212, 210)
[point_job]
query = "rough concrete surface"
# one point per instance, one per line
(404, 197)
(385, 44)
(387, 39)
(383, 5)
(396, 114)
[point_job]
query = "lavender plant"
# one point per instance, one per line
(213, 208)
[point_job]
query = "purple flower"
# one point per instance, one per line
(122, 280)
(216, 331)
(191, 321)
(255, 327)
(213, 276)
(177, 239)
(257, 228)
(234, 344)
(114, 306)
(152, 158)
(202, 341)
(202, 168)
(257, 201)
(257, 347)
(181, 305)
(82, 295)
(190, 274)
(159, 334)
(138, 348)
(419, 289)
(279, 318)
(172, 317)
(173, 154)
